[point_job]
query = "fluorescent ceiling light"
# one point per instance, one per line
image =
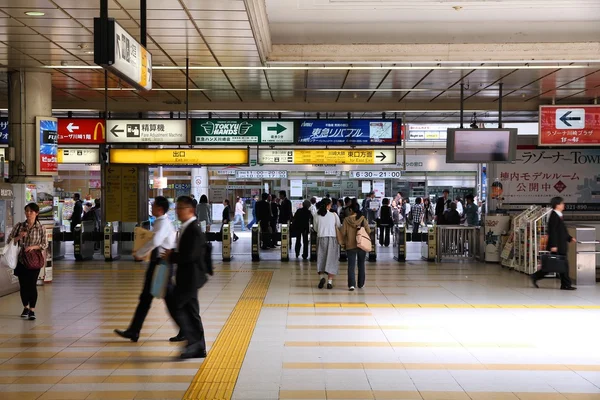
(35, 13)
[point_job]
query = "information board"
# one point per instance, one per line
(78, 156)
(179, 156)
(349, 131)
(146, 131)
(81, 131)
(261, 174)
(328, 156)
(569, 126)
(376, 174)
(122, 193)
(242, 131)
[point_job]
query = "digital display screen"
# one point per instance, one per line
(481, 145)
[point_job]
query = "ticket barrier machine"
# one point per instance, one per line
(283, 237)
(226, 245)
(429, 246)
(58, 246)
(84, 240)
(400, 242)
(373, 235)
(285, 242)
(256, 238)
(313, 244)
(112, 244)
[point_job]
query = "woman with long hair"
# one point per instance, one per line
(428, 211)
(352, 223)
(203, 212)
(30, 235)
(328, 250)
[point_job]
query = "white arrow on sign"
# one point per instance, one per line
(72, 127)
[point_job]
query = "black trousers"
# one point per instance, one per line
(384, 235)
(265, 236)
(185, 310)
(565, 281)
(416, 236)
(145, 299)
(274, 233)
(28, 285)
(302, 241)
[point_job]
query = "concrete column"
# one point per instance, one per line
(199, 182)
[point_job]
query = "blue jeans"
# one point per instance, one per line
(353, 254)
(251, 223)
(240, 219)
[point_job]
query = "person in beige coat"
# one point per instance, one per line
(352, 223)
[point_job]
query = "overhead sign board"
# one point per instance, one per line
(146, 131)
(242, 131)
(78, 156)
(428, 132)
(349, 131)
(569, 126)
(261, 174)
(47, 145)
(328, 156)
(116, 50)
(179, 156)
(81, 131)
(4, 130)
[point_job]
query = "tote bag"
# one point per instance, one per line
(160, 280)
(10, 257)
(363, 240)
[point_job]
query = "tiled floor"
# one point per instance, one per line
(417, 331)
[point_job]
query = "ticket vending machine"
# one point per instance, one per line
(9, 283)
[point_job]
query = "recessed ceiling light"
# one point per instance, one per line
(89, 52)
(35, 13)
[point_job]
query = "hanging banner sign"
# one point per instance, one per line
(146, 131)
(539, 175)
(179, 156)
(242, 131)
(349, 131)
(79, 156)
(569, 126)
(328, 157)
(81, 131)
(47, 145)
(4, 130)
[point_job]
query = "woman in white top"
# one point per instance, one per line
(328, 250)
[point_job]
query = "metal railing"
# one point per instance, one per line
(456, 242)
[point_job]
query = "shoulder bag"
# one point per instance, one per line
(33, 259)
(363, 240)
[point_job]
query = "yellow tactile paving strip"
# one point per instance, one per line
(218, 374)
(424, 305)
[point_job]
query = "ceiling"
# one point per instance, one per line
(230, 46)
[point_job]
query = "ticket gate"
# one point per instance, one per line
(313, 244)
(226, 245)
(373, 235)
(400, 241)
(84, 240)
(285, 242)
(58, 246)
(111, 247)
(429, 246)
(256, 238)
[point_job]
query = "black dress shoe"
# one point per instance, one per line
(568, 288)
(178, 338)
(193, 354)
(534, 281)
(128, 335)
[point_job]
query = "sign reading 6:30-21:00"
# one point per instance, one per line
(376, 174)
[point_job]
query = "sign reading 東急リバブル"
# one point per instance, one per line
(148, 131)
(242, 131)
(349, 131)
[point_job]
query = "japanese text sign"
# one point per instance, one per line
(242, 131)
(47, 145)
(81, 131)
(4, 130)
(328, 157)
(146, 131)
(569, 126)
(350, 131)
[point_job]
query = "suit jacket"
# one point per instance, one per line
(263, 212)
(302, 220)
(191, 271)
(558, 236)
(285, 211)
(77, 211)
(274, 212)
(226, 217)
(439, 206)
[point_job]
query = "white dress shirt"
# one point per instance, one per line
(182, 229)
(164, 237)
(558, 213)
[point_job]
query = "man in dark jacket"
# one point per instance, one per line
(182, 297)
(274, 220)
(226, 219)
(285, 208)
(558, 243)
(451, 216)
(77, 211)
(263, 216)
(442, 204)
(301, 226)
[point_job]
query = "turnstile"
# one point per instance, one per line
(400, 241)
(285, 242)
(58, 245)
(226, 245)
(373, 235)
(84, 240)
(112, 244)
(429, 246)
(256, 237)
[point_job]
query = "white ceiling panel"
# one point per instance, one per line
(87, 13)
(54, 22)
(221, 24)
(232, 5)
(233, 40)
(49, 30)
(220, 15)
(30, 4)
(19, 13)
(5, 20)
(167, 14)
(229, 33)
(83, 4)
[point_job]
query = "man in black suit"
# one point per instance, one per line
(190, 275)
(285, 208)
(77, 211)
(274, 220)
(558, 242)
(263, 216)
(226, 219)
(442, 204)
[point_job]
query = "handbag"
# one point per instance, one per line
(363, 240)
(555, 263)
(10, 256)
(160, 280)
(33, 259)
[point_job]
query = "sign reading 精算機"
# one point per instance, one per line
(242, 131)
(539, 175)
(349, 131)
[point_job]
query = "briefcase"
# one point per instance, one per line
(160, 280)
(555, 263)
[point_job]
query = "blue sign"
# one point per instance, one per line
(349, 131)
(3, 130)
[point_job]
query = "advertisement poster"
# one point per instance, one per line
(379, 188)
(350, 131)
(81, 131)
(3, 130)
(41, 194)
(539, 175)
(495, 227)
(295, 187)
(47, 145)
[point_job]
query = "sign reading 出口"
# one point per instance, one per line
(569, 126)
(242, 131)
(539, 175)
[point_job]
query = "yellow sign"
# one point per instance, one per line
(179, 156)
(121, 193)
(357, 156)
